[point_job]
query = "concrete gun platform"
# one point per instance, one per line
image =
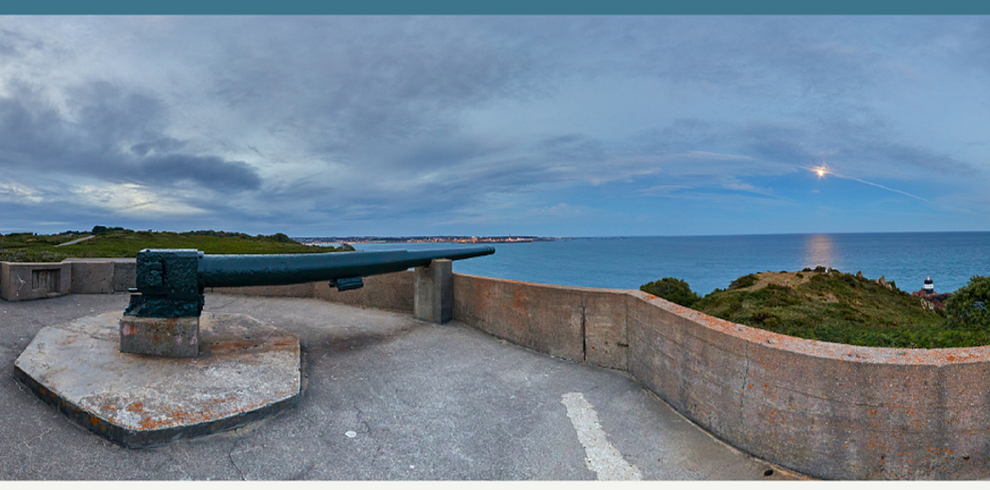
(385, 397)
(246, 370)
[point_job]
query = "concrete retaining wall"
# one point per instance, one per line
(92, 277)
(393, 292)
(34, 280)
(582, 324)
(827, 410)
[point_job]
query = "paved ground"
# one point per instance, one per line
(385, 397)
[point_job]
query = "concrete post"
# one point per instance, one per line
(433, 298)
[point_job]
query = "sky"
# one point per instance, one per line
(521, 125)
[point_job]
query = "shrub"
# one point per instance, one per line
(103, 230)
(673, 290)
(967, 308)
(281, 238)
(743, 282)
(766, 318)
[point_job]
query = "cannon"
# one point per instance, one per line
(179, 372)
(163, 316)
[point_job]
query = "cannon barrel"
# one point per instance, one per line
(171, 282)
(163, 318)
(280, 269)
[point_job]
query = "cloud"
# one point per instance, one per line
(9, 41)
(663, 190)
(133, 201)
(438, 155)
(106, 114)
(305, 121)
(15, 192)
(208, 171)
(342, 82)
(15, 45)
(110, 134)
(163, 145)
(27, 132)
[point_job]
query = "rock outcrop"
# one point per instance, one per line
(883, 282)
(932, 301)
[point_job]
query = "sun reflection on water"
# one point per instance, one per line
(819, 250)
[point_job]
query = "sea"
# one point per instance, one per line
(709, 262)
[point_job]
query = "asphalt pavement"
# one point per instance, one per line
(385, 397)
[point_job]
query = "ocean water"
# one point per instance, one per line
(711, 262)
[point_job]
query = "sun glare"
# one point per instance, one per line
(821, 172)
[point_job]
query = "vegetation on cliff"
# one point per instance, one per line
(121, 242)
(844, 308)
(966, 309)
(673, 290)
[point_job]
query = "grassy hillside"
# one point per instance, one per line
(28, 247)
(836, 307)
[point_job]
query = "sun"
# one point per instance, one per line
(821, 172)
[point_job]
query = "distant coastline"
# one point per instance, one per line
(424, 239)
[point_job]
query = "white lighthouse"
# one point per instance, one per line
(929, 285)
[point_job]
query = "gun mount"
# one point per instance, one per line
(163, 318)
(180, 372)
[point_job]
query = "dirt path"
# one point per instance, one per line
(77, 240)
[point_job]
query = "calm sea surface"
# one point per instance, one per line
(713, 262)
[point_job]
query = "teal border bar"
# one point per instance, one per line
(503, 7)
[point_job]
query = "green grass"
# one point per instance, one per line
(28, 247)
(837, 307)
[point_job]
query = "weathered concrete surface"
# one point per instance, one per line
(548, 319)
(606, 340)
(102, 275)
(21, 281)
(421, 401)
(168, 337)
(246, 370)
(303, 290)
(828, 410)
(92, 276)
(124, 274)
(433, 292)
(392, 292)
(583, 324)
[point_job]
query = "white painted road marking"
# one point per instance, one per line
(602, 457)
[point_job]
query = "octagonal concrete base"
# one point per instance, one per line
(245, 371)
